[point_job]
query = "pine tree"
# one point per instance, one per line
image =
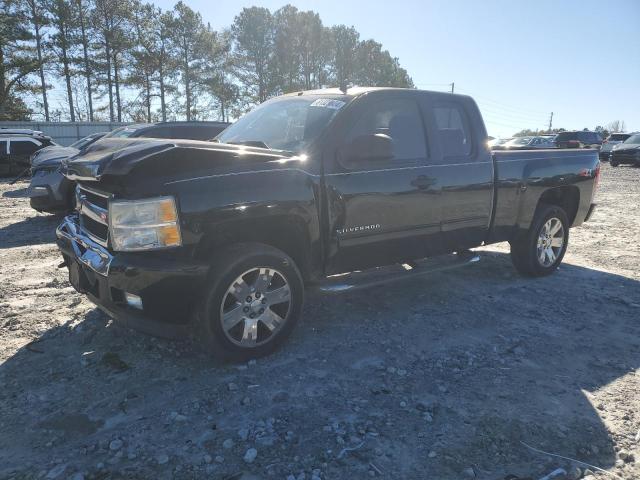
(108, 17)
(189, 40)
(17, 59)
(345, 42)
(63, 39)
(253, 33)
(218, 78)
(39, 20)
(83, 10)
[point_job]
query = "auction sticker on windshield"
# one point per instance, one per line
(328, 103)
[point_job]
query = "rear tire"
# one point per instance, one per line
(539, 251)
(614, 163)
(251, 303)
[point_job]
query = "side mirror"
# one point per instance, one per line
(376, 147)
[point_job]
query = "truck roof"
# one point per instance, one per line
(356, 91)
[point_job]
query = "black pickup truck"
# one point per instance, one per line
(220, 238)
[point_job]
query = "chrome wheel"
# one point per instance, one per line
(255, 307)
(550, 242)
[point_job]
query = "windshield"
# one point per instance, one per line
(83, 142)
(633, 139)
(521, 141)
(285, 123)
(618, 137)
(122, 132)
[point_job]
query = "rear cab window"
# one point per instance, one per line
(453, 131)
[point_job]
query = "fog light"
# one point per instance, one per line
(133, 300)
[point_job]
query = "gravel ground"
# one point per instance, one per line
(447, 377)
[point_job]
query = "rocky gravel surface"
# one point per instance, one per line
(476, 373)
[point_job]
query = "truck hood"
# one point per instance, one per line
(54, 153)
(162, 157)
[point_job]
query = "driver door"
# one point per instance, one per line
(383, 211)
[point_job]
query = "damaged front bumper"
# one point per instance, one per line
(82, 248)
(168, 288)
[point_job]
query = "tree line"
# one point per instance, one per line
(126, 60)
(612, 127)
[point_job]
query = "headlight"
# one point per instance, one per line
(144, 224)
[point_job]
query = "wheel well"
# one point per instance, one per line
(567, 198)
(287, 234)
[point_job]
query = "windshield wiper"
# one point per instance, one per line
(252, 143)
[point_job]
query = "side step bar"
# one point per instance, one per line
(352, 281)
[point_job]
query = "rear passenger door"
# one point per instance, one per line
(464, 169)
(382, 212)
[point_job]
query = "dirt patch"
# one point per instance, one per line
(447, 377)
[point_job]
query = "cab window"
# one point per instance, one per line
(400, 120)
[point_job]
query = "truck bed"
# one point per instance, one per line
(522, 176)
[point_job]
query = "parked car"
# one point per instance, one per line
(528, 143)
(16, 148)
(611, 141)
(579, 139)
(59, 151)
(498, 143)
(51, 192)
(627, 152)
(220, 239)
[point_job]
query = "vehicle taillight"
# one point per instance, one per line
(596, 181)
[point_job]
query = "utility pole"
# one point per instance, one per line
(550, 122)
(453, 84)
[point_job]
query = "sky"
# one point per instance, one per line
(520, 60)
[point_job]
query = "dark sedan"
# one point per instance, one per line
(627, 153)
(49, 191)
(578, 139)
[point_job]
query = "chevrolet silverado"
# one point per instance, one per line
(219, 239)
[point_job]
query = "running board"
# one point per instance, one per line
(352, 281)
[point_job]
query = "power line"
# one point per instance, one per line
(483, 99)
(505, 114)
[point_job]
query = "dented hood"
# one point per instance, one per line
(52, 154)
(161, 157)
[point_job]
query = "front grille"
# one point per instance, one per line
(96, 199)
(96, 229)
(93, 208)
(626, 157)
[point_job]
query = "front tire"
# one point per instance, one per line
(540, 250)
(251, 303)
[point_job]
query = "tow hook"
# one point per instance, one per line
(63, 264)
